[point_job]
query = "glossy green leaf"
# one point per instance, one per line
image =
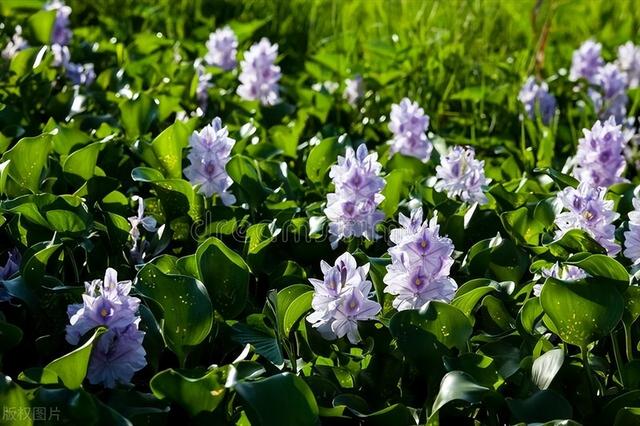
(225, 275)
(185, 303)
(582, 311)
(72, 367)
(194, 392)
(281, 390)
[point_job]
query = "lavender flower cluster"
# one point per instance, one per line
(461, 175)
(341, 299)
(632, 236)
(560, 272)
(537, 100)
(210, 153)
(354, 90)
(78, 74)
(260, 75)
(420, 263)
(609, 81)
(118, 354)
(589, 211)
(352, 209)
(599, 160)
(222, 49)
(409, 125)
(15, 45)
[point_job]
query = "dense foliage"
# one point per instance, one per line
(319, 212)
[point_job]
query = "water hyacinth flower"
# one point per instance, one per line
(7, 271)
(632, 236)
(118, 353)
(588, 210)
(629, 63)
(599, 160)
(409, 125)
(586, 61)
(61, 33)
(535, 98)
(560, 272)
(148, 223)
(341, 299)
(260, 75)
(461, 175)
(610, 97)
(352, 209)
(420, 263)
(15, 45)
(204, 84)
(210, 153)
(222, 49)
(80, 74)
(354, 89)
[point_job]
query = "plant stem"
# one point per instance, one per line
(585, 361)
(618, 357)
(628, 342)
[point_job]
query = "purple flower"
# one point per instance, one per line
(15, 45)
(588, 210)
(586, 61)
(354, 90)
(222, 49)
(119, 352)
(117, 356)
(340, 300)
(560, 272)
(535, 98)
(461, 175)
(610, 97)
(632, 236)
(259, 77)
(599, 160)
(629, 63)
(7, 271)
(80, 74)
(61, 33)
(149, 223)
(210, 153)
(420, 263)
(352, 209)
(204, 84)
(61, 55)
(409, 126)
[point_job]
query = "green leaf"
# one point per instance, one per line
(256, 333)
(166, 149)
(10, 336)
(545, 368)
(458, 386)
(321, 157)
(72, 367)
(291, 303)
(41, 24)
(225, 275)
(194, 392)
(581, 311)
(13, 399)
(561, 179)
(245, 174)
(28, 159)
(481, 368)
(574, 241)
(81, 164)
(542, 406)
(446, 323)
(393, 191)
(260, 398)
(188, 315)
(137, 115)
(602, 266)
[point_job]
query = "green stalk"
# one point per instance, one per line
(618, 357)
